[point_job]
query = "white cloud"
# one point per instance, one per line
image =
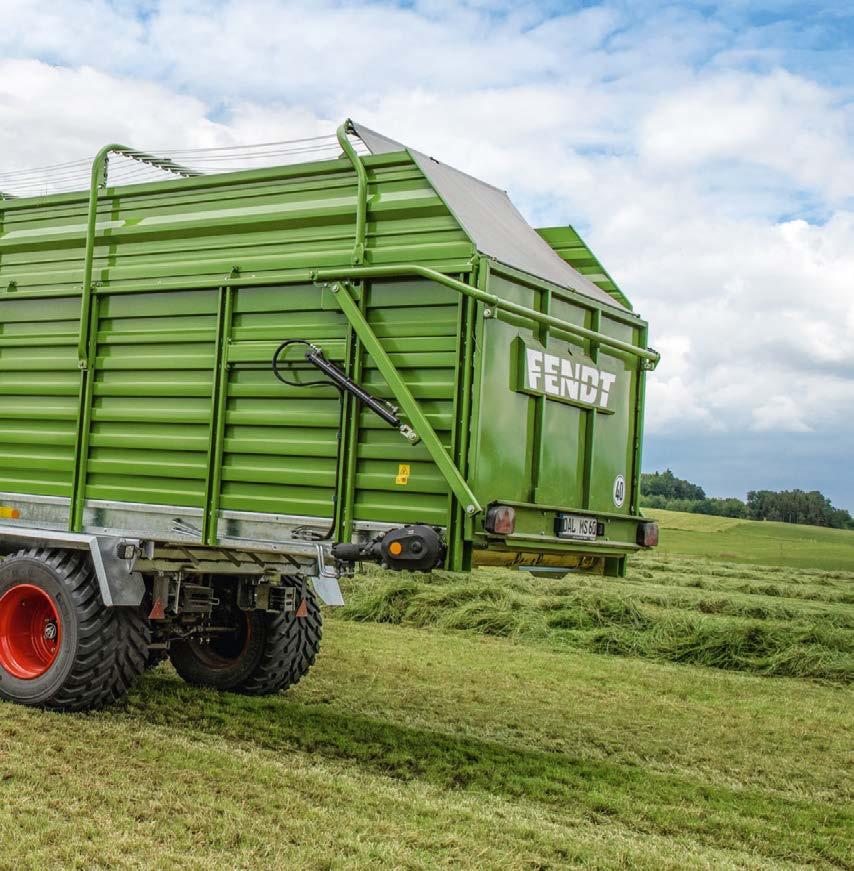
(781, 414)
(780, 121)
(54, 114)
(75, 32)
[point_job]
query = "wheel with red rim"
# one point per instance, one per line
(30, 631)
(60, 646)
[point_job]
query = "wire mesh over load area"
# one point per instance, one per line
(484, 214)
(131, 166)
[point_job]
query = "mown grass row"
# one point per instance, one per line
(757, 606)
(658, 613)
(819, 586)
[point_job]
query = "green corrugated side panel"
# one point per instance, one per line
(569, 245)
(39, 388)
(152, 398)
(280, 448)
(417, 323)
(265, 220)
(281, 443)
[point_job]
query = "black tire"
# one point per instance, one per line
(99, 651)
(267, 653)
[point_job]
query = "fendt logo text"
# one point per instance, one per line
(577, 381)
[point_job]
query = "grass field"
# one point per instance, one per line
(696, 714)
(749, 541)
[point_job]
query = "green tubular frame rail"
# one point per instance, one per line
(340, 282)
(361, 191)
(490, 299)
(98, 183)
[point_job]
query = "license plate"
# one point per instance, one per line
(576, 526)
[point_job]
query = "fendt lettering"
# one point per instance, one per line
(576, 381)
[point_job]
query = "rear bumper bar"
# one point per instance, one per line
(533, 540)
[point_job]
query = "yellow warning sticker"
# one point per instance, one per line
(402, 474)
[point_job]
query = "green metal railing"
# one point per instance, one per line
(648, 354)
(356, 273)
(97, 184)
(361, 191)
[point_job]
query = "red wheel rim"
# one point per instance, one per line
(30, 631)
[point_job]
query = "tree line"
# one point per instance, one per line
(665, 490)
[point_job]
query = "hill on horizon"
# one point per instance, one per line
(764, 542)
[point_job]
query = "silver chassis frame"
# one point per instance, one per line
(247, 530)
(156, 522)
(168, 538)
(38, 512)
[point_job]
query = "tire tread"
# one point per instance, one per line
(291, 649)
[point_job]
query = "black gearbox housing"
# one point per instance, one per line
(414, 548)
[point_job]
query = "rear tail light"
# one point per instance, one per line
(501, 520)
(648, 534)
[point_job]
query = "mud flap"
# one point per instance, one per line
(328, 591)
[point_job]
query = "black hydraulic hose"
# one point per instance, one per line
(280, 350)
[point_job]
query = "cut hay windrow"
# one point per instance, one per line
(660, 612)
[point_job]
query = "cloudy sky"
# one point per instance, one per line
(706, 151)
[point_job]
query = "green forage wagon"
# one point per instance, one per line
(222, 389)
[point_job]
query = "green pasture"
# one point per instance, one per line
(754, 541)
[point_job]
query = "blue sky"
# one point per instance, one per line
(705, 149)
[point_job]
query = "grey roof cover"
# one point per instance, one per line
(491, 220)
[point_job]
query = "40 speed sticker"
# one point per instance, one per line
(619, 492)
